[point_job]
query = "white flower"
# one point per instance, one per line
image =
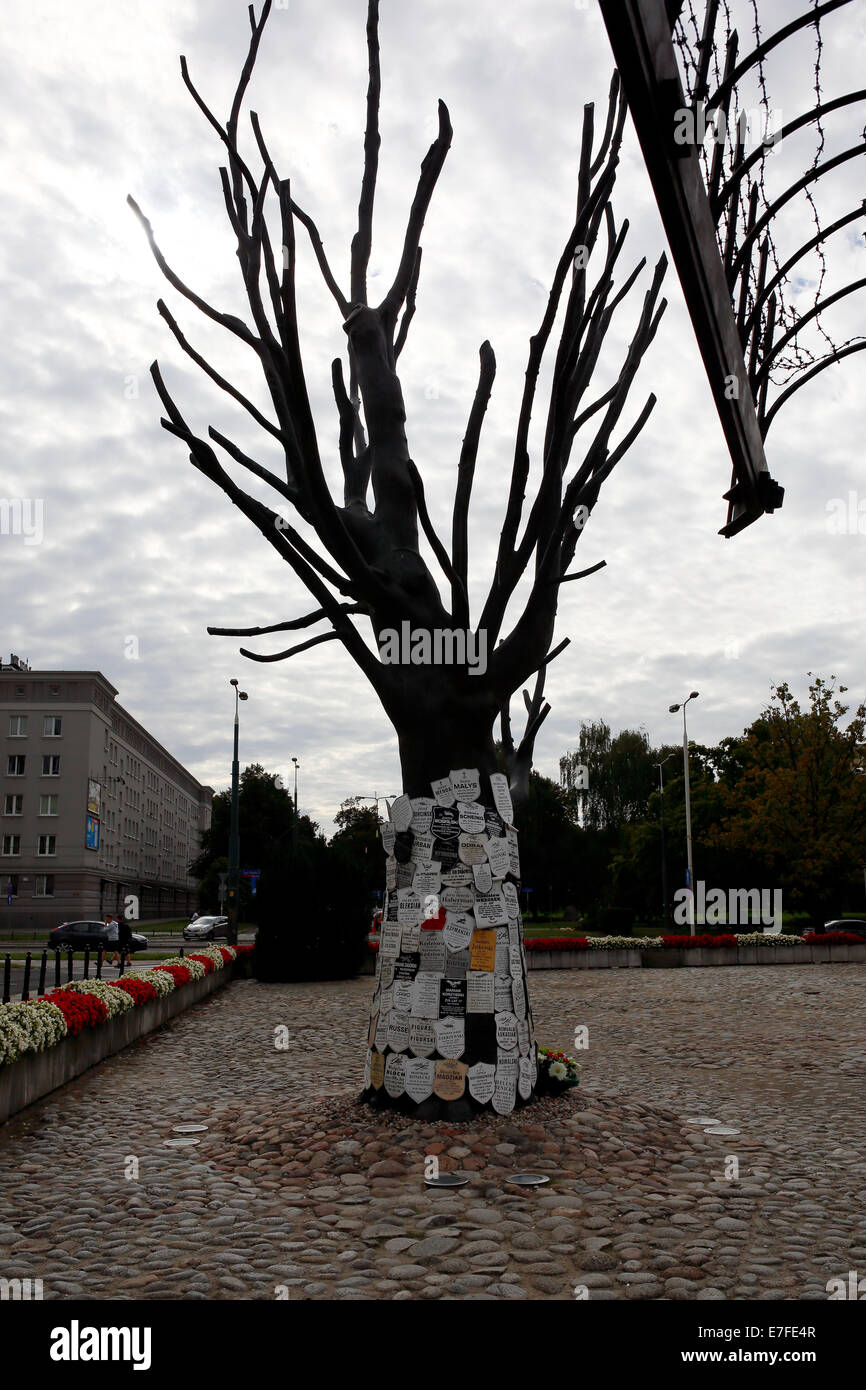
(558, 1071)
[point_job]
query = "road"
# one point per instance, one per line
(162, 946)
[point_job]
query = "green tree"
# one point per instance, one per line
(619, 776)
(359, 841)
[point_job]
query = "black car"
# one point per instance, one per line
(855, 926)
(76, 936)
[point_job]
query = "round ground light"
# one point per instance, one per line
(446, 1180)
(528, 1180)
(181, 1142)
(189, 1129)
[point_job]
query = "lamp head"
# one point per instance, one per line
(694, 694)
(232, 681)
(242, 695)
(672, 709)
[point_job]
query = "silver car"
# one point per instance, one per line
(206, 929)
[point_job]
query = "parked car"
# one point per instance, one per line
(76, 936)
(855, 925)
(206, 929)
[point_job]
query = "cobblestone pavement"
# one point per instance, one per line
(296, 1192)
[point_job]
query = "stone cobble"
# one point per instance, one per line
(297, 1192)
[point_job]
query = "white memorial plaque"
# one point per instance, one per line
(490, 908)
(504, 1094)
(533, 1065)
(515, 957)
(367, 1073)
(425, 996)
(419, 1078)
(450, 1037)
(506, 1030)
(386, 1002)
(518, 992)
(502, 797)
(502, 965)
(386, 967)
(459, 898)
(391, 932)
(422, 1035)
(405, 874)
(483, 877)
(443, 791)
(389, 837)
(456, 876)
(470, 817)
(512, 901)
(380, 1039)
(433, 951)
(410, 939)
(472, 849)
(524, 1078)
(408, 907)
(502, 997)
(513, 853)
(395, 1074)
(523, 1036)
(459, 927)
(422, 847)
(401, 813)
(422, 813)
(465, 783)
(404, 993)
(507, 1064)
(457, 963)
(497, 855)
(428, 878)
(398, 1032)
(390, 873)
(479, 992)
(482, 1079)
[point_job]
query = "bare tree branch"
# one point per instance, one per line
(431, 167)
(363, 238)
(292, 651)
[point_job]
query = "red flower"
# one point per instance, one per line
(141, 991)
(206, 962)
(79, 1010)
(178, 973)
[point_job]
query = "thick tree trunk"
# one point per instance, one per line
(450, 1030)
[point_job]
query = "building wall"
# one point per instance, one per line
(150, 810)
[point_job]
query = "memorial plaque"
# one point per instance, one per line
(398, 1032)
(512, 900)
(490, 908)
(389, 837)
(422, 813)
(459, 927)
(502, 962)
(513, 853)
(395, 1074)
(483, 877)
(504, 1094)
(515, 957)
(408, 907)
(450, 1037)
(456, 875)
(367, 1072)
(419, 1078)
(428, 878)
(460, 898)
(465, 783)
(422, 848)
(390, 913)
(433, 952)
(449, 1082)
(371, 1030)
(410, 940)
(391, 934)
(452, 999)
(472, 849)
(386, 1001)
(445, 824)
(457, 964)
(403, 995)
(403, 846)
(425, 997)
(482, 1078)
(377, 1070)
(498, 857)
(482, 950)
(386, 970)
(506, 1030)
(443, 791)
(422, 1036)
(523, 1036)
(405, 875)
(493, 825)
(507, 1064)
(524, 1078)
(479, 992)
(381, 1036)
(502, 797)
(503, 999)
(518, 991)
(390, 874)
(401, 813)
(470, 817)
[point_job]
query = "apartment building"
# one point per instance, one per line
(93, 810)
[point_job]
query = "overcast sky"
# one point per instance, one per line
(139, 553)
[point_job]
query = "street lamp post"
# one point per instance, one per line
(665, 921)
(295, 820)
(234, 834)
(691, 871)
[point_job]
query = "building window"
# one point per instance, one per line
(11, 844)
(11, 889)
(48, 805)
(50, 765)
(44, 886)
(15, 765)
(13, 805)
(18, 726)
(47, 844)
(52, 726)
(54, 690)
